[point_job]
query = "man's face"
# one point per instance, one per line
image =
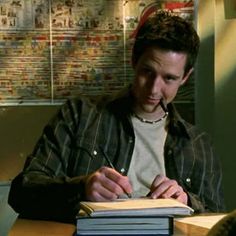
(158, 75)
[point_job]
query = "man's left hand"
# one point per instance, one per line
(163, 187)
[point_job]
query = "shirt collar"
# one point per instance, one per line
(177, 125)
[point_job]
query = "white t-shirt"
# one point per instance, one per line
(148, 156)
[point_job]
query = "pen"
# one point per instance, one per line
(111, 165)
(163, 107)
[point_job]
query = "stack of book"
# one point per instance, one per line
(142, 216)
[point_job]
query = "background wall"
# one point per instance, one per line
(216, 84)
(225, 95)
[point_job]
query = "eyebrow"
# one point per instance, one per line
(172, 75)
(147, 66)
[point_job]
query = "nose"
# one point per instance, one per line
(156, 85)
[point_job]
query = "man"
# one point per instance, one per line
(154, 152)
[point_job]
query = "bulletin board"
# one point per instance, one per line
(51, 50)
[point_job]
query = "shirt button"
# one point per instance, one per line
(122, 170)
(130, 140)
(188, 180)
(95, 152)
(169, 152)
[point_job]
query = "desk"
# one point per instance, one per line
(23, 227)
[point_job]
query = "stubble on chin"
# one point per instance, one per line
(148, 108)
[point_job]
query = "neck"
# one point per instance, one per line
(152, 117)
(150, 121)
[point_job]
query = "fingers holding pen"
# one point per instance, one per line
(106, 184)
(121, 180)
(100, 188)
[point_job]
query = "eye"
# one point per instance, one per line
(147, 72)
(170, 78)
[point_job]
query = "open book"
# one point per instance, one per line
(136, 207)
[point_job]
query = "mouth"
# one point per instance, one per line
(153, 101)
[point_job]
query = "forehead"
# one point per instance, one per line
(163, 58)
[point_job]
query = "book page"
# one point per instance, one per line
(145, 205)
(135, 203)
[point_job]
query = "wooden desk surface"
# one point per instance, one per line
(23, 227)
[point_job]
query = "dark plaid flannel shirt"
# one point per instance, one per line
(52, 182)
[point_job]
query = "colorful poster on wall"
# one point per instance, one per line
(51, 50)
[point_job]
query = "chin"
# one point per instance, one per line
(149, 108)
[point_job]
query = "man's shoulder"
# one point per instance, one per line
(195, 132)
(89, 100)
(102, 100)
(184, 127)
(86, 104)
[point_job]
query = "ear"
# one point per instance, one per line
(186, 76)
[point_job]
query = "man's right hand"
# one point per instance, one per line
(106, 184)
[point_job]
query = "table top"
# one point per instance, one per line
(25, 227)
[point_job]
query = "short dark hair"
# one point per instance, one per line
(167, 31)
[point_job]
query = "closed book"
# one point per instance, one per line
(125, 232)
(136, 207)
(126, 225)
(142, 216)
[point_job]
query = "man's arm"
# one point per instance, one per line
(204, 186)
(194, 165)
(62, 171)
(38, 196)
(44, 189)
